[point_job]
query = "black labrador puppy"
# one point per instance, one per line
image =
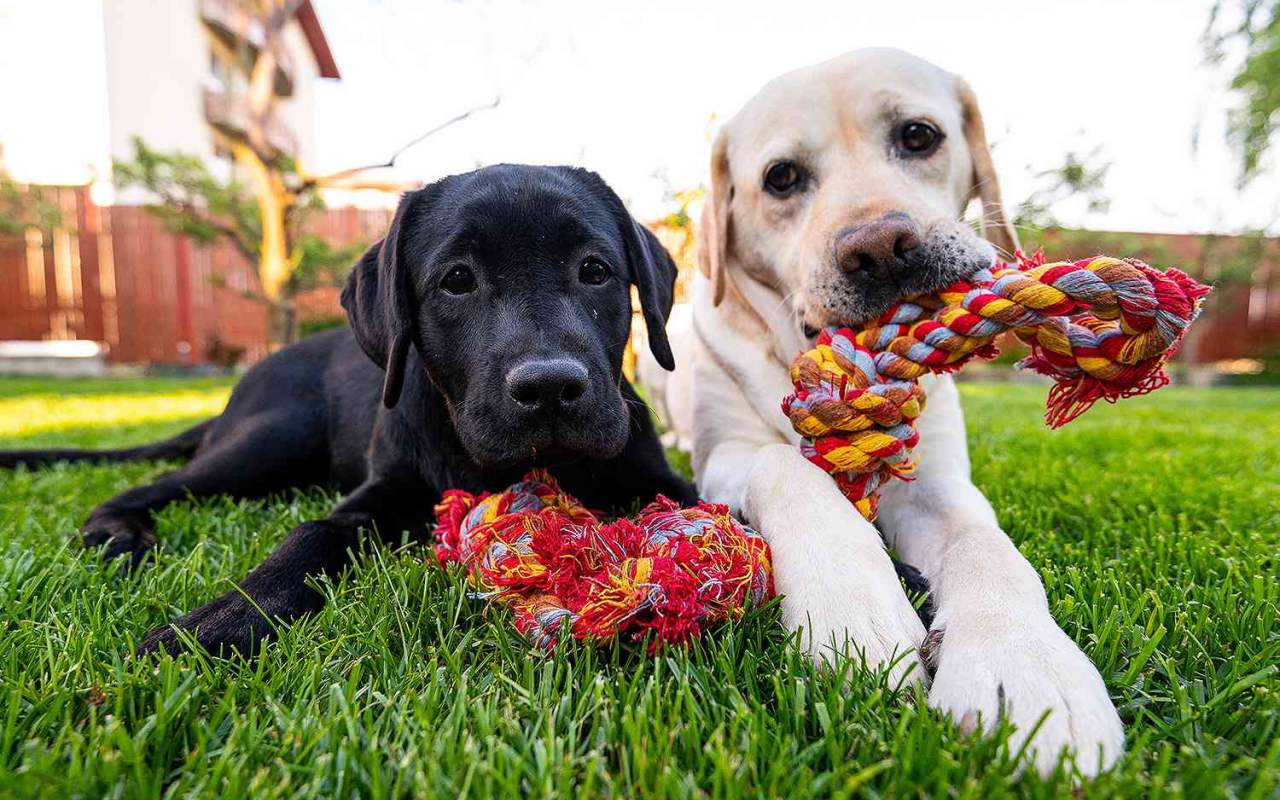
(486, 337)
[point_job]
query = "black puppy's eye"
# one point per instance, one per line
(459, 280)
(919, 138)
(782, 178)
(593, 272)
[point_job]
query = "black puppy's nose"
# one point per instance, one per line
(546, 384)
(877, 244)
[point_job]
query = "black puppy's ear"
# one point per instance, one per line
(652, 270)
(654, 274)
(379, 305)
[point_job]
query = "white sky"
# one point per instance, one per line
(634, 89)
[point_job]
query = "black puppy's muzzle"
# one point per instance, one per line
(544, 405)
(546, 386)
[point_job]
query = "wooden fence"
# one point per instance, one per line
(116, 276)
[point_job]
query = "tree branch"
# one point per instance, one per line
(247, 248)
(387, 187)
(321, 180)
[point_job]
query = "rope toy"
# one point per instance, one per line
(1102, 328)
(666, 573)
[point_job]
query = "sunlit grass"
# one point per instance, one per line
(57, 413)
(1155, 525)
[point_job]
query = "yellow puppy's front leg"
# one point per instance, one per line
(837, 582)
(999, 653)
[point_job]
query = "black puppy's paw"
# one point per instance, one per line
(228, 626)
(120, 536)
(234, 624)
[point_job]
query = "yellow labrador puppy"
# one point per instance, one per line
(835, 191)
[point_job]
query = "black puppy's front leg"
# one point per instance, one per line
(642, 468)
(276, 592)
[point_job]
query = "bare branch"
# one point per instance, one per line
(267, 154)
(320, 180)
(357, 185)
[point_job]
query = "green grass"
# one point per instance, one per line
(1154, 523)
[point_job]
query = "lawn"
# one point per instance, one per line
(1158, 550)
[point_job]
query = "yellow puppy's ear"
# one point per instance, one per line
(986, 186)
(714, 238)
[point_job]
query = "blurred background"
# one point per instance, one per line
(185, 183)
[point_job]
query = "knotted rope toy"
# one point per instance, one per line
(1102, 328)
(667, 572)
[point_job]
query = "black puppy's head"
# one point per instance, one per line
(513, 284)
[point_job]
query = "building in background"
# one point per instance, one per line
(169, 71)
(173, 73)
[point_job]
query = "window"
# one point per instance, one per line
(220, 69)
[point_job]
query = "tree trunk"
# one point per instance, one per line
(273, 255)
(256, 154)
(284, 322)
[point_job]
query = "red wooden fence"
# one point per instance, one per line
(116, 276)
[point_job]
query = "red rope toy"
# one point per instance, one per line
(667, 572)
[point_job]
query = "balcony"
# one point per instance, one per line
(238, 30)
(229, 113)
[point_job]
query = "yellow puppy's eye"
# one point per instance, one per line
(782, 178)
(919, 138)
